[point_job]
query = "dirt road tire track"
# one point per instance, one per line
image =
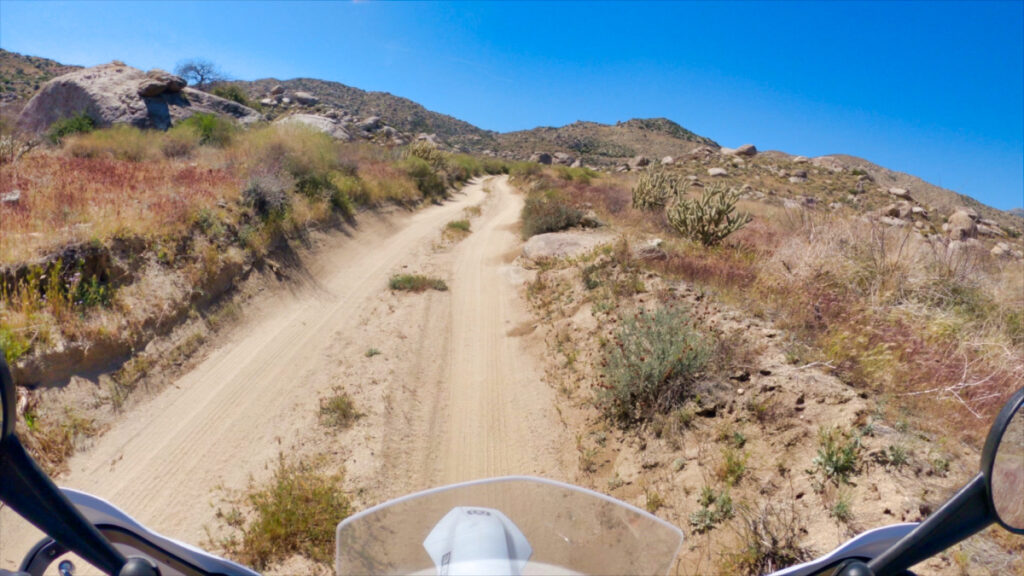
(483, 410)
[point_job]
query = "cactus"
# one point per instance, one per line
(656, 187)
(428, 152)
(710, 219)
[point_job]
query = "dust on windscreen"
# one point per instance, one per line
(571, 530)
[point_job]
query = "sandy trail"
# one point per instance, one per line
(479, 406)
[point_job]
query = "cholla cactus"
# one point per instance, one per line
(429, 152)
(710, 219)
(656, 187)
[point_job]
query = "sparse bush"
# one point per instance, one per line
(841, 508)
(212, 129)
(656, 187)
(732, 467)
(715, 507)
(80, 123)
(338, 411)
(838, 454)
(651, 364)
(548, 212)
(295, 513)
(416, 283)
(770, 540)
(459, 225)
(180, 141)
(710, 219)
(268, 196)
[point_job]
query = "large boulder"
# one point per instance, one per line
(541, 158)
(326, 125)
(118, 94)
(306, 99)
(961, 226)
(638, 162)
(371, 124)
(159, 81)
(567, 244)
(746, 150)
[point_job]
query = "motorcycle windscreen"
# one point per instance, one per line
(570, 530)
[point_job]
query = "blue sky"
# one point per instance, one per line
(935, 89)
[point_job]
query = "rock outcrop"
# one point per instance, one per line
(118, 94)
(324, 124)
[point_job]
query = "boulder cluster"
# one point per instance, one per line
(300, 107)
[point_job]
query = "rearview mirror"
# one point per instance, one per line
(8, 400)
(1003, 465)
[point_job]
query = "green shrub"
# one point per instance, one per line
(524, 170)
(416, 283)
(548, 212)
(838, 454)
(651, 364)
(13, 344)
(80, 123)
(212, 129)
(234, 93)
(428, 182)
(460, 225)
(295, 513)
(495, 166)
(715, 507)
(710, 219)
(351, 187)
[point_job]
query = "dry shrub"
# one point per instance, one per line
(895, 312)
(770, 538)
(386, 182)
(726, 267)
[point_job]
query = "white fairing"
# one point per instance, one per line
(866, 545)
(477, 541)
(99, 512)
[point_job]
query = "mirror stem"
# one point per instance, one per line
(31, 493)
(966, 514)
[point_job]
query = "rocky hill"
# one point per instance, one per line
(22, 76)
(400, 113)
(605, 145)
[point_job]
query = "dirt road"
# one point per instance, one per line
(455, 397)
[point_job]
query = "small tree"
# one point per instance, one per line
(199, 72)
(710, 219)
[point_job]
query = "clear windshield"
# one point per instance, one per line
(571, 530)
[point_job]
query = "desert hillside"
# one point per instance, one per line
(304, 293)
